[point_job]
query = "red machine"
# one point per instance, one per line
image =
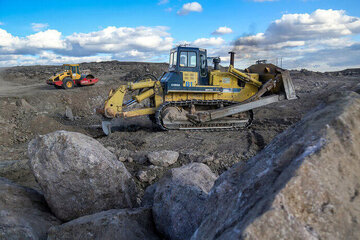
(71, 77)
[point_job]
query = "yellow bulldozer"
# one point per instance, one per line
(190, 97)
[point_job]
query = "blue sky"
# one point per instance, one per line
(61, 22)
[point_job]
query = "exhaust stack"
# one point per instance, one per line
(232, 58)
(216, 62)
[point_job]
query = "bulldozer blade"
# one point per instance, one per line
(112, 125)
(106, 127)
(288, 85)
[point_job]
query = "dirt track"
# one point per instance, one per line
(29, 107)
(16, 91)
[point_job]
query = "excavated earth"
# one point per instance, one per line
(228, 208)
(29, 107)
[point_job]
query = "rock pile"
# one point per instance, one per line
(303, 185)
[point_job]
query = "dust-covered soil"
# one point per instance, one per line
(29, 107)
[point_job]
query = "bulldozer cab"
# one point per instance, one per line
(190, 65)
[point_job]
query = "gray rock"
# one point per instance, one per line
(140, 157)
(23, 213)
(148, 198)
(124, 224)
(163, 158)
(149, 174)
(79, 176)
(179, 198)
(195, 156)
(69, 114)
(19, 172)
(357, 88)
(111, 149)
(303, 185)
(123, 152)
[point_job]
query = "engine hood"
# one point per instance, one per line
(58, 76)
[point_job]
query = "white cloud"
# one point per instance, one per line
(300, 38)
(1, 23)
(49, 39)
(190, 7)
(141, 43)
(321, 24)
(208, 42)
(330, 59)
(222, 31)
(7, 40)
(39, 26)
(112, 40)
(46, 58)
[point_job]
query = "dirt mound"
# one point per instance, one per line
(108, 71)
(346, 72)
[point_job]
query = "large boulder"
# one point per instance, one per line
(303, 185)
(178, 200)
(79, 176)
(24, 213)
(124, 224)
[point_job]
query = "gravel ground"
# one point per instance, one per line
(29, 107)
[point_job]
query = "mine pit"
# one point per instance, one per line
(29, 109)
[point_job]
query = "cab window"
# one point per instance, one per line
(188, 59)
(73, 69)
(171, 59)
(203, 65)
(183, 59)
(175, 58)
(192, 59)
(67, 68)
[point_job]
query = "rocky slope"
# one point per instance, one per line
(303, 185)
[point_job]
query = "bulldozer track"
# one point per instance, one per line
(209, 126)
